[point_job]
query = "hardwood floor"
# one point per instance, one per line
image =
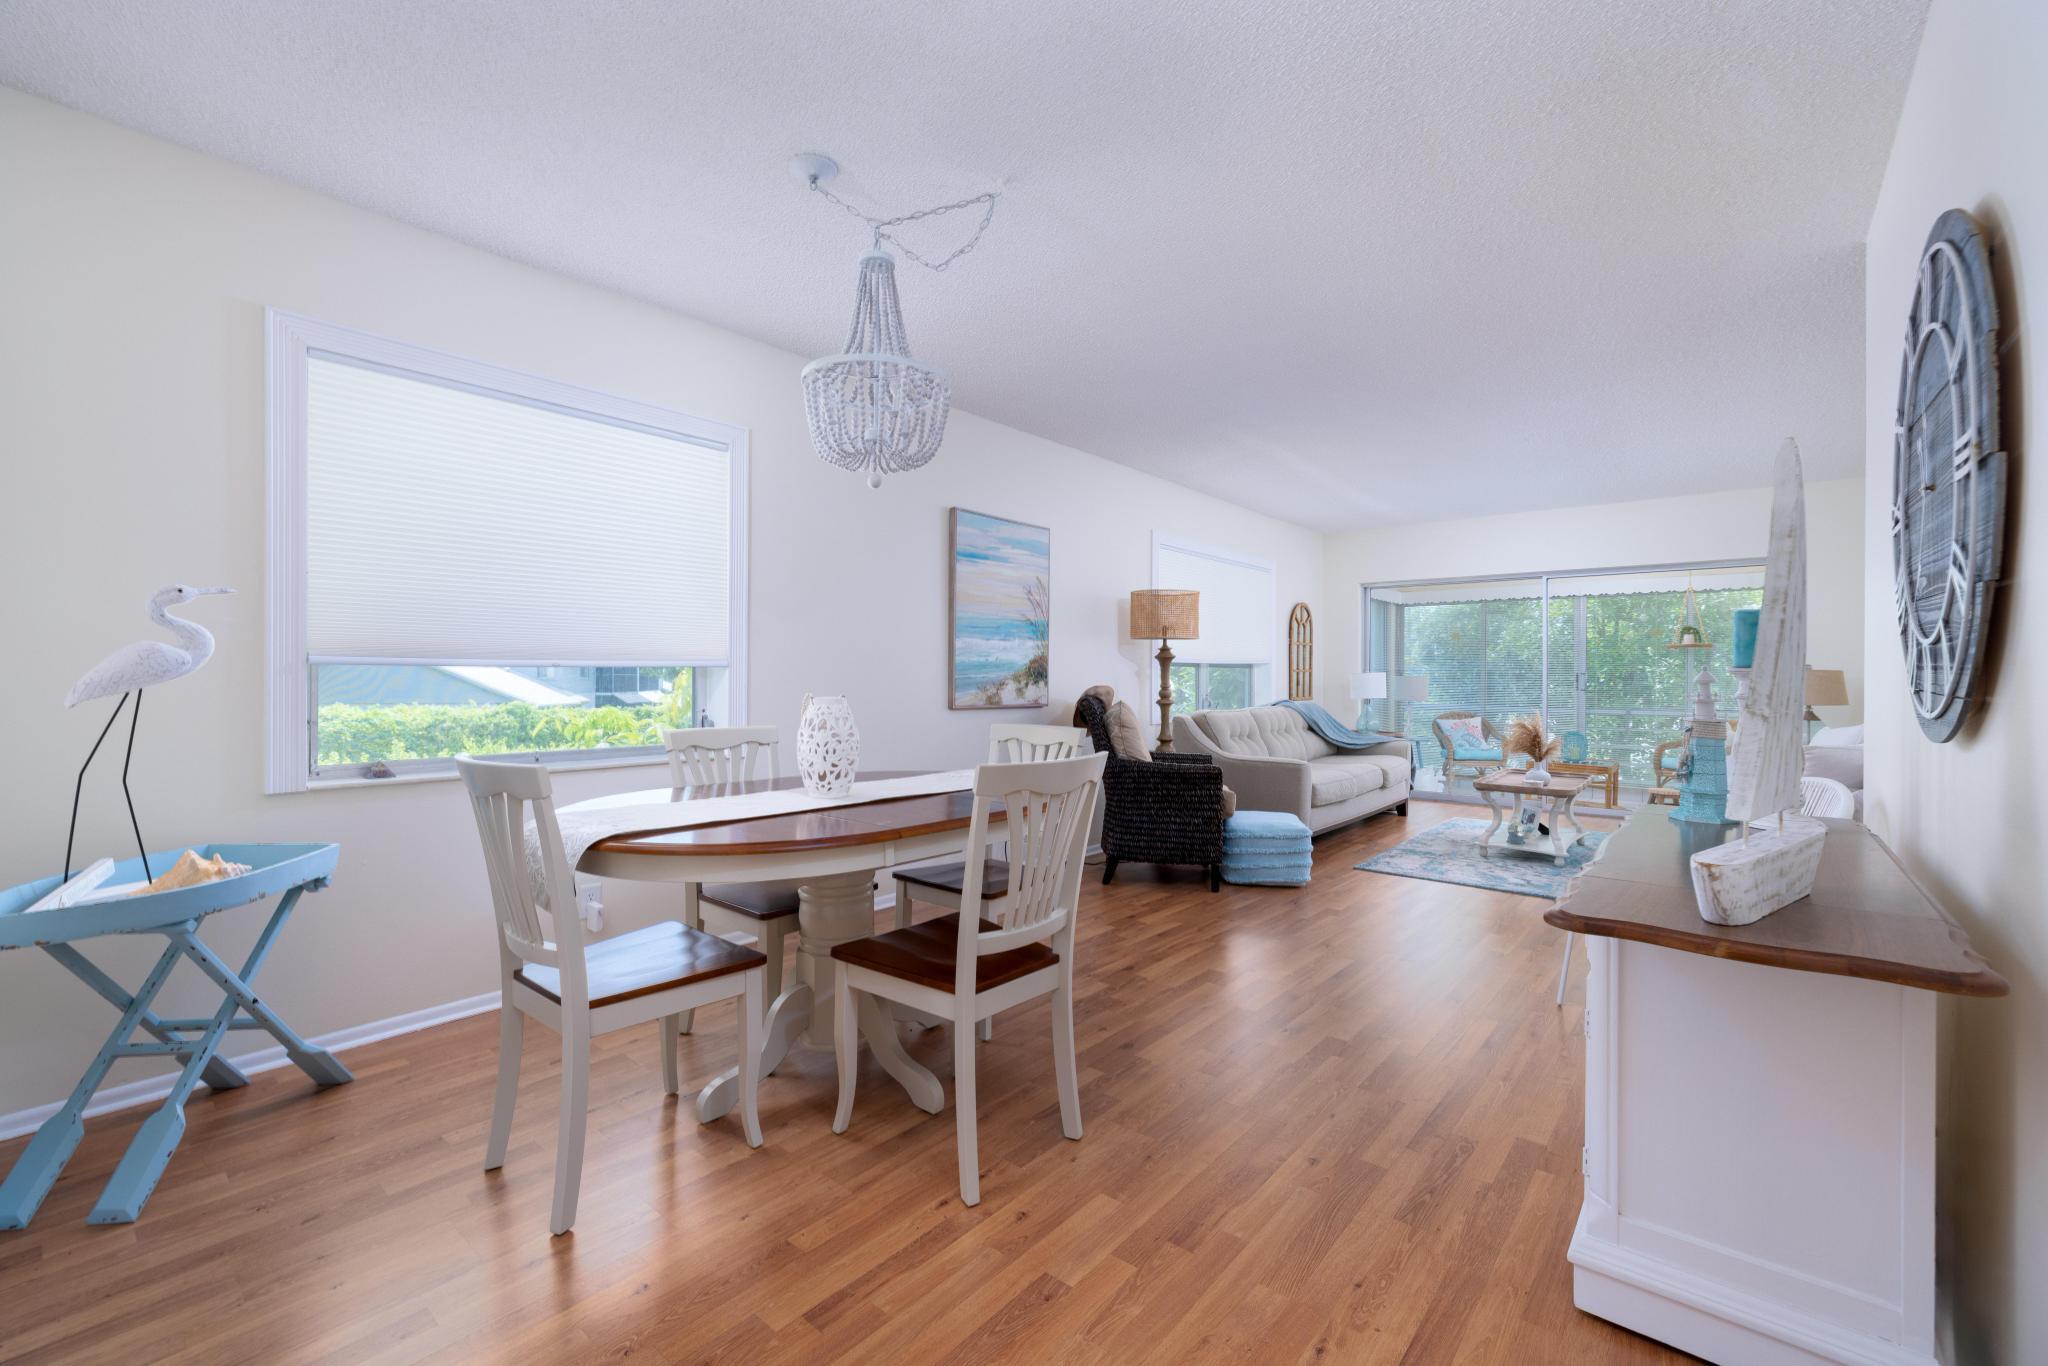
(1339, 1124)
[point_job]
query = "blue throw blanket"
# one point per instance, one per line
(1344, 737)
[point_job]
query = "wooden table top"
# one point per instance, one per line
(838, 827)
(1516, 780)
(1866, 916)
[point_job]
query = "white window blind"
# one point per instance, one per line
(453, 524)
(1237, 605)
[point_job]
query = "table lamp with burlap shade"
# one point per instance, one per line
(1164, 614)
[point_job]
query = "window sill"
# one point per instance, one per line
(450, 775)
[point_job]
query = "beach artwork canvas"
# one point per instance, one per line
(1001, 612)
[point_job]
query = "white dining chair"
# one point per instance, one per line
(1826, 797)
(714, 756)
(581, 989)
(720, 754)
(964, 968)
(939, 884)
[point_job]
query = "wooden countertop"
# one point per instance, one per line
(1865, 918)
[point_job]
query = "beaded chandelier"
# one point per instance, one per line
(874, 407)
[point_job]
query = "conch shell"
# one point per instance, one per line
(192, 870)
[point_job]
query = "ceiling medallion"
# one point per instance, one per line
(874, 407)
(1948, 478)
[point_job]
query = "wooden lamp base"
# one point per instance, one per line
(1165, 658)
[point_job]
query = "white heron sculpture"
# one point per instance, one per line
(130, 669)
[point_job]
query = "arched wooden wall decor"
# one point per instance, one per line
(1301, 654)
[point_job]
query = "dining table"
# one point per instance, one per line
(835, 853)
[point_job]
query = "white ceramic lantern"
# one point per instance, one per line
(827, 746)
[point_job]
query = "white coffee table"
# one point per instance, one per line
(1554, 801)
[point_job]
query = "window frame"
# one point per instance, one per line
(290, 679)
(1203, 670)
(1276, 625)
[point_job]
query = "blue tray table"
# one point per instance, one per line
(290, 869)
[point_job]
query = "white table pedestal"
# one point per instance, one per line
(1759, 1159)
(830, 911)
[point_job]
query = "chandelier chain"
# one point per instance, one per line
(881, 226)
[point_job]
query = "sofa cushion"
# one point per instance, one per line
(1126, 736)
(1340, 777)
(1262, 733)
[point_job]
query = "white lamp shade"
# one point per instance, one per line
(1368, 687)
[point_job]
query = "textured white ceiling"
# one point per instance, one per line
(1348, 263)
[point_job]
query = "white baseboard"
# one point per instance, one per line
(1718, 1322)
(149, 1089)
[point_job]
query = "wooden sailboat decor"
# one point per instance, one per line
(1774, 864)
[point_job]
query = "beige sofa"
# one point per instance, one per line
(1274, 762)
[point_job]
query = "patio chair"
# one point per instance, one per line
(1476, 761)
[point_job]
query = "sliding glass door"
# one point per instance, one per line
(1480, 644)
(1590, 651)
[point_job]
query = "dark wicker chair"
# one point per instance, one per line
(1166, 810)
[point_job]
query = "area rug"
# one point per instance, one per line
(1449, 852)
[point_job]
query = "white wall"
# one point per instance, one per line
(1967, 816)
(1704, 526)
(131, 435)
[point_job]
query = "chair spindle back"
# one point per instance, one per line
(1025, 744)
(505, 799)
(1826, 797)
(1047, 808)
(720, 754)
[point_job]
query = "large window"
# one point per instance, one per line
(1587, 650)
(468, 560)
(1212, 687)
(1231, 663)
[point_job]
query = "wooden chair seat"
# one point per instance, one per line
(925, 953)
(952, 877)
(657, 958)
(755, 900)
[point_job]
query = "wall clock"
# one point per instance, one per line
(1948, 477)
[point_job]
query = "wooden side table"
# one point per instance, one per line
(1607, 775)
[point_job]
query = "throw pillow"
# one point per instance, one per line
(1465, 733)
(1126, 736)
(1837, 737)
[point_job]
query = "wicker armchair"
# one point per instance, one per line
(1168, 809)
(1662, 775)
(1478, 767)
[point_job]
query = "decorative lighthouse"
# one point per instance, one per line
(1703, 777)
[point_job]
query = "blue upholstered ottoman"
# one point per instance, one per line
(1266, 849)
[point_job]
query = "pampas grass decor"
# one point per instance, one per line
(1525, 736)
